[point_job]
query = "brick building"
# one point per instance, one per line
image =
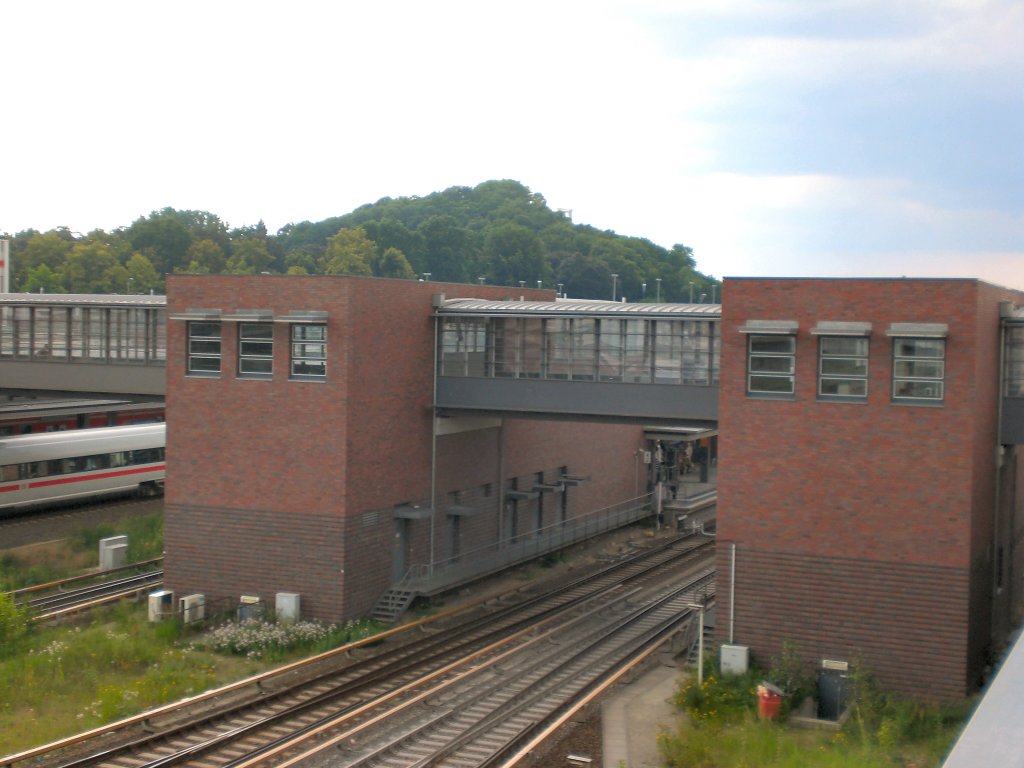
(866, 501)
(302, 455)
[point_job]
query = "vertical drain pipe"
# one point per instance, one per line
(438, 298)
(732, 593)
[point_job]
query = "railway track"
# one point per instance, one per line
(418, 686)
(60, 598)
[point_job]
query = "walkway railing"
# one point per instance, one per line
(525, 546)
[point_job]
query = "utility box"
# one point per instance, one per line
(735, 659)
(193, 608)
(286, 606)
(249, 607)
(113, 552)
(161, 605)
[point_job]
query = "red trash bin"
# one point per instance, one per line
(769, 701)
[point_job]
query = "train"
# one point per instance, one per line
(51, 468)
(26, 416)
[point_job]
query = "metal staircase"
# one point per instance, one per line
(391, 605)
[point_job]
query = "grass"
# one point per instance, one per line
(54, 560)
(722, 728)
(58, 681)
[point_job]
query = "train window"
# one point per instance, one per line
(309, 351)
(99, 461)
(35, 469)
(255, 349)
(9, 472)
(204, 348)
(117, 459)
(73, 464)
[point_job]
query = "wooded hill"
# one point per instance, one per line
(499, 232)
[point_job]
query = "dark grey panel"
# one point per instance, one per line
(1012, 429)
(84, 377)
(673, 402)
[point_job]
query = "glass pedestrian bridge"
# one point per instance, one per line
(83, 343)
(599, 360)
(595, 360)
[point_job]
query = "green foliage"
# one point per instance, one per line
(394, 264)
(719, 699)
(498, 230)
(350, 252)
(13, 624)
(722, 727)
(791, 672)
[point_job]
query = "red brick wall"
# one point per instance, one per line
(278, 485)
(885, 489)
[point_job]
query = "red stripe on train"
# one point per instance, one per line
(95, 476)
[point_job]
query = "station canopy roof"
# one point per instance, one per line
(576, 307)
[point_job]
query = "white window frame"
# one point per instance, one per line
(773, 365)
(200, 347)
(831, 361)
(303, 351)
(255, 352)
(910, 369)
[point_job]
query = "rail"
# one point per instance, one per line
(528, 545)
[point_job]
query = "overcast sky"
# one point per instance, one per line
(774, 137)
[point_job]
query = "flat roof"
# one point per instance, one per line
(579, 307)
(92, 299)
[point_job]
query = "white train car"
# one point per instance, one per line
(52, 467)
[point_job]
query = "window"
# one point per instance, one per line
(309, 351)
(771, 364)
(204, 348)
(1013, 362)
(843, 367)
(255, 349)
(918, 368)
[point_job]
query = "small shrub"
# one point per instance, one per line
(793, 675)
(13, 623)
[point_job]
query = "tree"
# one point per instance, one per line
(309, 258)
(514, 253)
(350, 252)
(207, 255)
(394, 264)
(142, 274)
(50, 249)
(93, 268)
(585, 277)
(163, 238)
(448, 249)
(249, 257)
(42, 279)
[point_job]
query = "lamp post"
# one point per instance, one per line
(615, 280)
(714, 290)
(657, 281)
(560, 289)
(481, 280)
(702, 297)
(643, 291)
(128, 285)
(539, 282)
(426, 276)
(691, 291)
